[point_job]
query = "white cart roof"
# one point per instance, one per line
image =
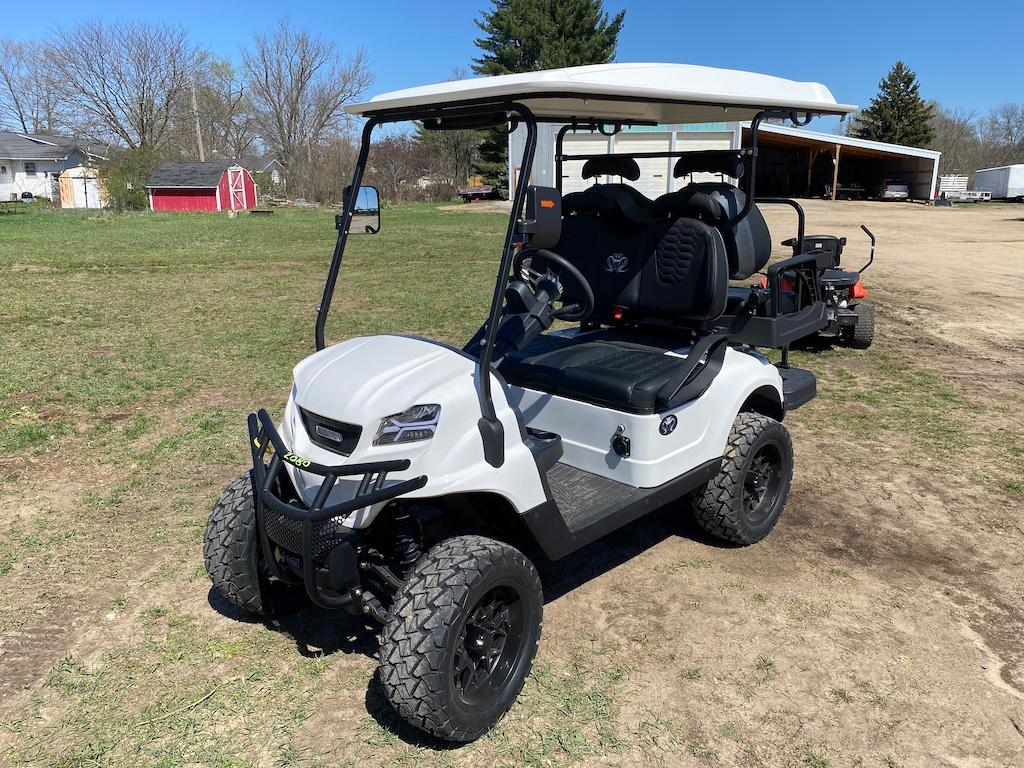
(653, 93)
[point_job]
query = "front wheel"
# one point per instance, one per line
(744, 501)
(234, 558)
(461, 636)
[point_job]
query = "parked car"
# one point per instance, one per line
(894, 190)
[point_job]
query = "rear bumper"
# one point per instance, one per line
(308, 541)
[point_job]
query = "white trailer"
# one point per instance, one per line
(1005, 182)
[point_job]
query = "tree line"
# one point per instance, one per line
(143, 89)
(145, 92)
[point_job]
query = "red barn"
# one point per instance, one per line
(222, 186)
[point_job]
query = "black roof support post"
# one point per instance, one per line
(339, 245)
(491, 431)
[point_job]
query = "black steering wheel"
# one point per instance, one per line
(573, 313)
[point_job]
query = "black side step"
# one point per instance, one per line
(799, 386)
(584, 506)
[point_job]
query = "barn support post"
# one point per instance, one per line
(835, 173)
(812, 156)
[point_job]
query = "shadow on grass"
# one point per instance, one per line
(316, 632)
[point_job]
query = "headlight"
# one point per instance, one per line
(416, 423)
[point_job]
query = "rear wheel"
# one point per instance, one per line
(234, 558)
(863, 332)
(461, 636)
(744, 501)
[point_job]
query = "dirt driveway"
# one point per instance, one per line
(880, 624)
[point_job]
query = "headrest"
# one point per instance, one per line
(724, 161)
(626, 167)
(690, 203)
(618, 202)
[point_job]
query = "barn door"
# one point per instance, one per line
(67, 191)
(236, 189)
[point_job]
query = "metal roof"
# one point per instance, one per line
(847, 141)
(651, 93)
(191, 175)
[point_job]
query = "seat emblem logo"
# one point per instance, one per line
(668, 425)
(617, 262)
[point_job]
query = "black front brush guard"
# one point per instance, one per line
(371, 490)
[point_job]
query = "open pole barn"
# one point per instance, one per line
(210, 187)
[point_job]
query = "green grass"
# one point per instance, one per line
(133, 347)
(105, 311)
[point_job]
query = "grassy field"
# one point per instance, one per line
(134, 345)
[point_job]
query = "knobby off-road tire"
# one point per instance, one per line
(441, 637)
(741, 504)
(231, 549)
(863, 333)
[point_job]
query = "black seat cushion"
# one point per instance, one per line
(616, 370)
(757, 299)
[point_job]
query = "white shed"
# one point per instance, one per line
(80, 187)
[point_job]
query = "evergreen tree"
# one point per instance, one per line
(898, 114)
(527, 35)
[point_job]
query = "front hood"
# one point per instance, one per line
(362, 380)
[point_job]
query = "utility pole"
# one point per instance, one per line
(199, 131)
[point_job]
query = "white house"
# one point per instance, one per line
(31, 163)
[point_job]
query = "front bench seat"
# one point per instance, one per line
(674, 271)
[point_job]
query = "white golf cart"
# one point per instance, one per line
(411, 482)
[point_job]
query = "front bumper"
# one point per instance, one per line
(308, 540)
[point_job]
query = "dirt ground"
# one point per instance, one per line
(880, 624)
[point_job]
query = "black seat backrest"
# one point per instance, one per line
(610, 165)
(671, 269)
(617, 202)
(748, 243)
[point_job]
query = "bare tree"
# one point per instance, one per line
(1003, 135)
(30, 94)
(225, 114)
(299, 84)
(956, 136)
(124, 79)
(396, 163)
(449, 155)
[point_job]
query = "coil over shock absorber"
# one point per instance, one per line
(408, 538)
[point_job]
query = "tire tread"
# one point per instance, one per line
(414, 639)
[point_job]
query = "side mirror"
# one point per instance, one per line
(365, 212)
(542, 224)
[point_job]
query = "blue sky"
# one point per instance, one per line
(967, 55)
